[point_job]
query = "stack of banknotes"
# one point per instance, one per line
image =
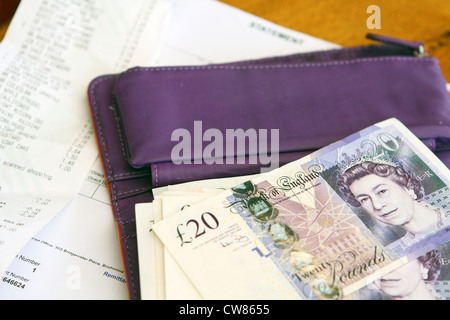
(364, 218)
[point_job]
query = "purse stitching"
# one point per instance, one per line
(100, 125)
(131, 191)
(120, 175)
(156, 174)
(122, 144)
(279, 66)
(130, 262)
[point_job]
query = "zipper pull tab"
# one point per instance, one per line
(417, 48)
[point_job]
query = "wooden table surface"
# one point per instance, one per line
(345, 21)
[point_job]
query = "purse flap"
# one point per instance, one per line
(311, 104)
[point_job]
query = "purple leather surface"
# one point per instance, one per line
(312, 101)
(312, 104)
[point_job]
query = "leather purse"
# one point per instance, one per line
(309, 99)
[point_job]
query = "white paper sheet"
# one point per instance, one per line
(51, 52)
(151, 250)
(207, 31)
(75, 256)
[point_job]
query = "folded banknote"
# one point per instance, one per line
(322, 227)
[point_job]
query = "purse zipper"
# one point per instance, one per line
(417, 48)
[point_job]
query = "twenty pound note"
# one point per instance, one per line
(321, 227)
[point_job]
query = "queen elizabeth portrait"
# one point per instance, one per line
(391, 195)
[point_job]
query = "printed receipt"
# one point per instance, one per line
(51, 52)
(75, 256)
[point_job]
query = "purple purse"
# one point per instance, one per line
(310, 100)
